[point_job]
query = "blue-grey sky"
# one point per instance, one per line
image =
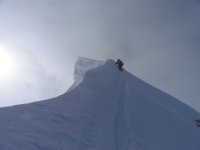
(158, 40)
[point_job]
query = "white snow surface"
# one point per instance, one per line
(107, 110)
(81, 67)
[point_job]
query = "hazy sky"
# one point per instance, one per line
(159, 41)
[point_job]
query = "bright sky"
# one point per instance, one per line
(158, 40)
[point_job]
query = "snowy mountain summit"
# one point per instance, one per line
(105, 109)
(81, 67)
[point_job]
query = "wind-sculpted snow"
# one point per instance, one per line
(107, 110)
(81, 67)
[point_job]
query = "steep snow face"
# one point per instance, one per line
(107, 110)
(81, 67)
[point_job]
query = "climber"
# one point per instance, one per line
(119, 63)
(197, 122)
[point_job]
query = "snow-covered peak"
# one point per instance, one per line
(109, 110)
(83, 65)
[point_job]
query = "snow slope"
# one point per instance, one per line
(81, 67)
(106, 110)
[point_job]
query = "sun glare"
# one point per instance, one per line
(7, 64)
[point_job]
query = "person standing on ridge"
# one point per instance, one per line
(119, 63)
(198, 122)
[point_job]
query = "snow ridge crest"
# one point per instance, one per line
(83, 65)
